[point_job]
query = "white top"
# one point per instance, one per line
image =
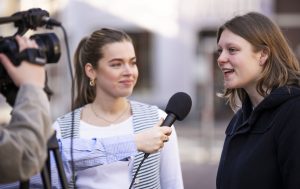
(118, 175)
(109, 175)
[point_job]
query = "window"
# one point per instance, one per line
(142, 43)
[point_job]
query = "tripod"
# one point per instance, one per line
(46, 171)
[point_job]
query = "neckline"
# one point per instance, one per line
(107, 126)
(110, 122)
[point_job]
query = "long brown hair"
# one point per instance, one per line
(281, 68)
(89, 50)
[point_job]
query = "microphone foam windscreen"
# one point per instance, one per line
(179, 104)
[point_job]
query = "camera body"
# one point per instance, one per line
(48, 50)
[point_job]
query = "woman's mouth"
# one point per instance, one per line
(227, 72)
(127, 82)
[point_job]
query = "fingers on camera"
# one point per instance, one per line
(25, 43)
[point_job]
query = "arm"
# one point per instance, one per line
(94, 152)
(98, 151)
(23, 142)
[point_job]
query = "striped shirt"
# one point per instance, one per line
(160, 170)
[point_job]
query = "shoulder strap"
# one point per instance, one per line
(66, 122)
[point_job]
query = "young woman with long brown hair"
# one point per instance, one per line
(106, 73)
(262, 84)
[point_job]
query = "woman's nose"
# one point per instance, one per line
(127, 69)
(222, 58)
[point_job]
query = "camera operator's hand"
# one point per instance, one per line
(26, 72)
(152, 139)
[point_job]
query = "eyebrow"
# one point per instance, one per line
(228, 44)
(120, 59)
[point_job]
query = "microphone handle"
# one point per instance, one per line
(169, 120)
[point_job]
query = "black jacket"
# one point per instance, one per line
(262, 146)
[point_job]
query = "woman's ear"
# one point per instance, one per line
(264, 55)
(90, 71)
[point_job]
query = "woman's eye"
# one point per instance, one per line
(116, 65)
(232, 50)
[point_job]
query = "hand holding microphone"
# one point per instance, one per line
(152, 139)
(178, 107)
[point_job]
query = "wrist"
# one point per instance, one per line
(37, 84)
(137, 141)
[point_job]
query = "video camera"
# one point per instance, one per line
(48, 46)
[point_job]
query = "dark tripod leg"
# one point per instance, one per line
(46, 177)
(46, 171)
(44, 174)
(24, 185)
(53, 145)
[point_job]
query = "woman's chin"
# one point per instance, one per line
(229, 86)
(126, 93)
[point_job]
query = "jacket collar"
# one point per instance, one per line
(277, 97)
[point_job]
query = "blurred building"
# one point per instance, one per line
(175, 43)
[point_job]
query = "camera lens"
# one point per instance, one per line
(49, 43)
(10, 47)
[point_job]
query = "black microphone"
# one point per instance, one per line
(177, 108)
